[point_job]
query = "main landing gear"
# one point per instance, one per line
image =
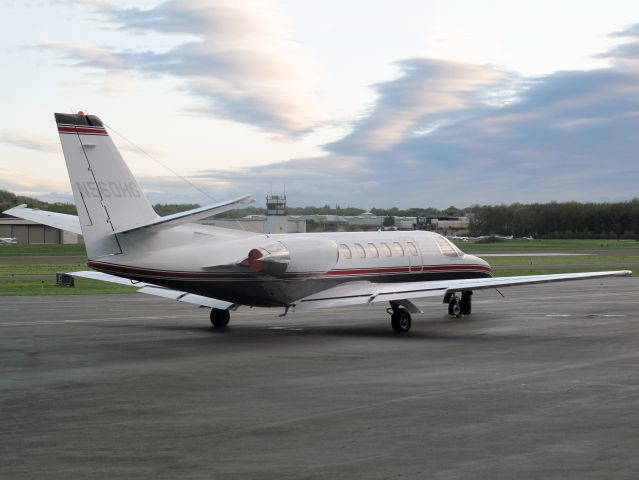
(219, 317)
(459, 306)
(400, 318)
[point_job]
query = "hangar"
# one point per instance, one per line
(28, 232)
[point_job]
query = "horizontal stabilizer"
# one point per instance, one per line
(105, 277)
(156, 290)
(70, 223)
(189, 216)
(362, 293)
(186, 297)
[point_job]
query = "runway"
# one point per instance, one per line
(541, 384)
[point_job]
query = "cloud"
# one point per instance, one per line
(30, 142)
(625, 56)
(331, 179)
(242, 66)
(442, 133)
(427, 92)
(629, 31)
(93, 3)
(188, 189)
(24, 184)
(435, 137)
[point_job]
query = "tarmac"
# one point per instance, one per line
(541, 384)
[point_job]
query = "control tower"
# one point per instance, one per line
(276, 215)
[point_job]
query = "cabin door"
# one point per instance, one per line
(414, 254)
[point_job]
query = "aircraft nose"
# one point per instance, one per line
(477, 261)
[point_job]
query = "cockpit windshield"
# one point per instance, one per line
(447, 247)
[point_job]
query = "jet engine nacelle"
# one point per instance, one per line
(294, 255)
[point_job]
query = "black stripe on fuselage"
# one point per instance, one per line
(271, 291)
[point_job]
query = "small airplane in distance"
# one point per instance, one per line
(8, 241)
(174, 257)
(484, 237)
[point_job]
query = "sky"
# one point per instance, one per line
(407, 103)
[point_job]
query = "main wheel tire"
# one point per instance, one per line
(401, 321)
(466, 303)
(454, 307)
(220, 318)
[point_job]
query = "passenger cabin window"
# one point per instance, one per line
(446, 247)
(360, 250)
(344, 251)
(386, 249)
(412, 248)
(398, 249)
(373, 249)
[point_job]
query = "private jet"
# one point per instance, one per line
(177, 258)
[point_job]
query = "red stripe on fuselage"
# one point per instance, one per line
(143, 272)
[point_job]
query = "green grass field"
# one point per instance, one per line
(469, 247)
(606, 255)
(511, 272)
(19, 286)
(548, 245)
(612, 260)
(39, 268)
(44, 250)
(615, 255)
(48, 287)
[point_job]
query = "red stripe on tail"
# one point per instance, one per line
(82, 130)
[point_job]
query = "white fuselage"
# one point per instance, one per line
(215, 262)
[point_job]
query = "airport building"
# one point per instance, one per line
(276, 219)
(446, 225)
(365, 220)
(256, 224)
(28, 232)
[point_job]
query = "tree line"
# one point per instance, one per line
(539, 220)
(10, 200)
(557, 220)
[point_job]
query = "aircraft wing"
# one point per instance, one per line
(70, 223)
(190, 216)
(361, 293)
(151, 289)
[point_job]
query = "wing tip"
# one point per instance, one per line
(17, 207)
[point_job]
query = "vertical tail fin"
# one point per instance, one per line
(107, 196)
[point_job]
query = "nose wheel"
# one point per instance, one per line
(401, 320)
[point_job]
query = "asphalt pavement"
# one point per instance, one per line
(541, 384)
